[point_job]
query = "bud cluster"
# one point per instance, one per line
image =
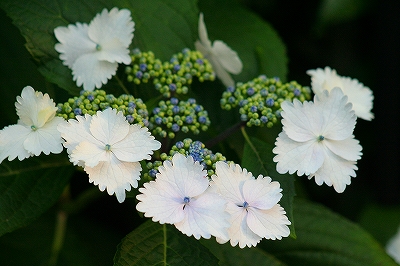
(187, 147)
(259, 100)
(174, 115)
(89, 102)
(170, 77)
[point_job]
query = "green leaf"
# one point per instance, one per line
(29, 188)
(256, 42)
(258, 160)
(381, 221)
(155, 244)
(326, 238)
(235, 256)
(165, 27)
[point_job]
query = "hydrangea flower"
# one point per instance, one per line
(222, 58)
(393, 247)
(36, 130)
(359, 95)
(93, 51)
(317, 140)
(109, 149)
(252, 204)
(180, 195)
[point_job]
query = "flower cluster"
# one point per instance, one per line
(93, 51)
(109, 148)
(175, 115)
(89, 102)
(317, 140)
(36, 130)
(171, 77)
(360, 96)
(233, 207)
(196, 149)
(259, 100)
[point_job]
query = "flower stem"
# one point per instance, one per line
(82, 201)
(246, 137)
(59, 231)
(224, 134)
(120, 83)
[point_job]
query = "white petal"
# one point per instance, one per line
(203, 35)
(292, 156)
(393, 247)
(269, 224)
(228, 181)
(338, 118)
(261, 193)
(220, 72)
(34, 108)
(185, 175)
(222, 58)
(227, 57)
(335, 171)
(114, 51)
(239, 231)
(75, 131)
(324, 79)
(205, 216)
(91, 72)
(115, 175)
(74, 42)
(136, 146)
(360, 96)
(12, 142)
(301, 121)
(161, 201)
(46, 139)
(348, 149)
(116, 24)
(89, 153)
(109, 127)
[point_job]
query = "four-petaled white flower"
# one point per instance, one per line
(222, 58)
(393, 247)
(317, 140)
(252, 204)
(93, 51)
(180, 195)
(109, 149)
(36, 130)
(359, 95)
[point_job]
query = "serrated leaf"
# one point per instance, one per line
(29, 188)
(165, 27)
(155, 244)
(258, 160)
(235, 256)
(256, 42)
(326, 238)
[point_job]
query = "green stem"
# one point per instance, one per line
(246, 137)
(165, 243)
(224, 134)
(122, 85)
(59, 231)
(82, 201)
